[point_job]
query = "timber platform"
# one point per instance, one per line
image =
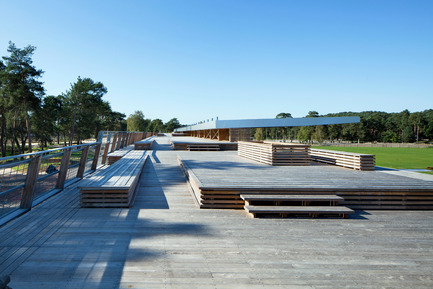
(219, 178)
(165, 241)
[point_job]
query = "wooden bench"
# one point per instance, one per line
(355, 161)
(117, 155)
(114, 186)
(145, 144)
(304, 200)
(275, 154)
(203, 147)
(312, 211)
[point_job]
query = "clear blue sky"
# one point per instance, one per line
(234, 59)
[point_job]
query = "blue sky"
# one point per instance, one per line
(235, 59)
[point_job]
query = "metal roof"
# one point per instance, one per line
(269, 122)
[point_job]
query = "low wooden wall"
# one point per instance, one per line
(355, 161)
(275, 154)
(144, 144)
(183, 146)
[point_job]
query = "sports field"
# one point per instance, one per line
(396, 158)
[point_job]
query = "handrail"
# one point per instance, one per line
(40, 175)
(46, 151)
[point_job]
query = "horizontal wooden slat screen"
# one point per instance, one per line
(355, 161)
(275, 154)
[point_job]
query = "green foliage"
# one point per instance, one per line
(83, 106)
(136, 122)
(172, 124)
(21, 95)
(258, 135)
(156, 125)
(284, 115)
(45, 120)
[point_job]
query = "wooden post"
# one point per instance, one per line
(128, 138)
(30, 184)
(114, 143)
(119, 141)
(96, 156)
(125, 136)
(83, 160)
(63, 169)
(105, 153)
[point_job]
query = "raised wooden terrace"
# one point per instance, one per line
(218, 179)
(165, 241)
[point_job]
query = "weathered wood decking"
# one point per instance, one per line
(164, 241)
(220, 177)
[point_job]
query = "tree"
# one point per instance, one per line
(417, 120)
(83, 104)
(156, 125)
(114, 121)
(283, 130)
(22, 89)
(313, 114)
(284, 115)
(136, 121)
(45, 120)
(3, 101)
(172, 124)
(258, 135)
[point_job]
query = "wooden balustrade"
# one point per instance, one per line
(115, 140)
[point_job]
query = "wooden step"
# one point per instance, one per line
(312, 211)
(305, 200)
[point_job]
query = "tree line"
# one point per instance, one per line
(137, 122)
(375, 126)
(28, 115)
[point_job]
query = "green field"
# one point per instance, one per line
(396, 158)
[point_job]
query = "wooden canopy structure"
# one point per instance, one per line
(240, 130)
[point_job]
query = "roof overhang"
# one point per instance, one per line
(269, 122)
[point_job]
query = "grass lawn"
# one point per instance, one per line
(396, 158)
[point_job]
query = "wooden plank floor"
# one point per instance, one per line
(164, 241)
(226, 170)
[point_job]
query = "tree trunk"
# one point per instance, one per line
(29, 135)
(71, 137)
(3, 137)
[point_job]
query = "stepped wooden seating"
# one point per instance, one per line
(275, 154)
(145, 144)
(117, 155)
(257, 205)
(203, 147)
(115, 185)
(355, 161)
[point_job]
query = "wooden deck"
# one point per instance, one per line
(165, 241)
(219, 178)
